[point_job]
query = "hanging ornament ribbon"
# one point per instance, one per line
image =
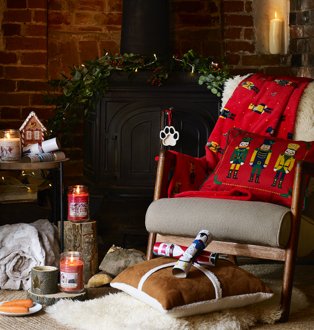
(168, 113)
(168, 135)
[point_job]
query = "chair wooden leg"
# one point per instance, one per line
(287, 285)
(288, 273)
(291, 252)
(150, 245)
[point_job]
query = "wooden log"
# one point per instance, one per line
(44, 279)
(50, 299)
(82, 237)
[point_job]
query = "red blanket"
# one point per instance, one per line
(260, 104)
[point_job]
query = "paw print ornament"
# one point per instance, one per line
(169, 136)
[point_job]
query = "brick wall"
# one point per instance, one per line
(196, 24)
(240, 42)
(39, 39)
(81, 30)
(23, 61)
(302, 37)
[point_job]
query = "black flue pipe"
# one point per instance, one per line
(145, 27)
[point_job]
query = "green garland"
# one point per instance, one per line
(88, 83)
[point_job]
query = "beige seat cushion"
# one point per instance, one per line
(230, 220)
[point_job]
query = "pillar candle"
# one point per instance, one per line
(78, 203)
(276, 35)
(10, 145)
(71, 272)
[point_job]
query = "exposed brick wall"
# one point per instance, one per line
(23, 61)
(240, 43)
(196, 24)
(302, 37)
(80, 31)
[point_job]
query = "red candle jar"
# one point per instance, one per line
(71, 272)
(78, 198)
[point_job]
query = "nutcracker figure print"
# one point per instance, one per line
(238, 157)
(284, 164)
(260, 159)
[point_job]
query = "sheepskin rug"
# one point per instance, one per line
(120, 311)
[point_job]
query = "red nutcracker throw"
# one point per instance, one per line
(260, 104)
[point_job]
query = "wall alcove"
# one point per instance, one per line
(264, 11)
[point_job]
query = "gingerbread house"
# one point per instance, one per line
(32, 130)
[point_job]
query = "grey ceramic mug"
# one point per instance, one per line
(44, 280)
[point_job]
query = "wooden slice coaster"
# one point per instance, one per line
(50, 299)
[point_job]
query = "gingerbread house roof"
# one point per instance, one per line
(29, 117)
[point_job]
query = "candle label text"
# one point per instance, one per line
(10, 150)
(69, 280)
(78, 208)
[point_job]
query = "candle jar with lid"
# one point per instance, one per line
(71, 272)
(78, 203)
(10, 145)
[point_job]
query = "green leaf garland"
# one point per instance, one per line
(82, 90)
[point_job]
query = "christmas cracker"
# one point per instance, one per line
(184, 264)
(172, 250)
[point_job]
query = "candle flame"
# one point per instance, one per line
(275, 14)
(77, 189)
(7, 135)
(71, 258)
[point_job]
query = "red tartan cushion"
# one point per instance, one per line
(262, 166)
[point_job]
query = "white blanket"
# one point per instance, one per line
(22, 247)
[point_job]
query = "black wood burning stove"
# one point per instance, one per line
(122, 136)
(122, 133)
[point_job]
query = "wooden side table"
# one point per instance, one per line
(57, 170)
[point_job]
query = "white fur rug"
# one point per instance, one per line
(120, 311)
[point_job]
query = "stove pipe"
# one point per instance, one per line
(145, 27)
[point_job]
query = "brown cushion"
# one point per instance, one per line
(195, 294)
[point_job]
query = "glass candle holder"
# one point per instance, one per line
(78, 203)
(10, 145)
(71, 272)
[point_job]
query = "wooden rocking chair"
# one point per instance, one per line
(175, 219)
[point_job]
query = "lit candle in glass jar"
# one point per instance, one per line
(78, 198)
(71, 272)
(10, 145)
